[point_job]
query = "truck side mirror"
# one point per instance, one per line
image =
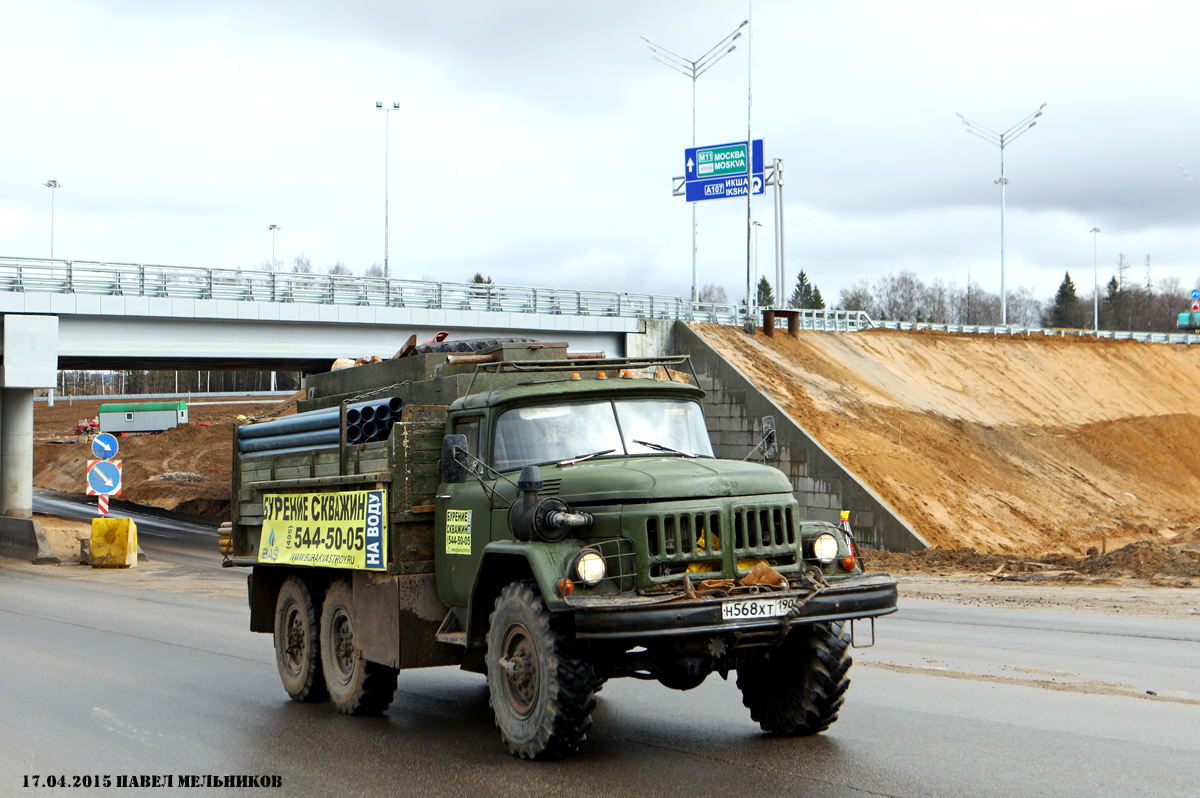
(454, 470)
(770, 441)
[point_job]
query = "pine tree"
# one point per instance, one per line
(805, 295)
(1067, 310)
(766, 297)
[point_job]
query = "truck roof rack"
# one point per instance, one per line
(583, 364)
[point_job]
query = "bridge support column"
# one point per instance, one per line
(16, 452)
(30, 351)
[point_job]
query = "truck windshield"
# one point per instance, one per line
(552, 433)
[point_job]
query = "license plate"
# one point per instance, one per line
(742, 609)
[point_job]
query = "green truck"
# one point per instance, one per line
(548, 519)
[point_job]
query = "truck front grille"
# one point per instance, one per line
(680, 535)
(677, 540)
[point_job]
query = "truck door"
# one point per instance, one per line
(463, 525)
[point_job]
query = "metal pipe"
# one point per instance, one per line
(354, 434)
(301, 439)
(367, 413)
(456, 360)
(301, 422)
(279, 426)
(290, 450)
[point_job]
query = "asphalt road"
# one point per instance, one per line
(102, 679)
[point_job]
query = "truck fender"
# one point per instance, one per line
(503, 563)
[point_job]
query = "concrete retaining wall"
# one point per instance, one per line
(824, 487)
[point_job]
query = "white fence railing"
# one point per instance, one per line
(979, 329)
(136, 279)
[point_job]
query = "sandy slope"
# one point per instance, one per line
(1001, 444)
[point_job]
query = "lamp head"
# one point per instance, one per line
(379, 103)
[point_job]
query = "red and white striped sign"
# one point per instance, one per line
(103, 505)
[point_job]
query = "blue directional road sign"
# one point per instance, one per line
(105, 446)
(104, 478)
(1195, 293)
(719, 172)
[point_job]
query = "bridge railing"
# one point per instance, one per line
(983, 329)
(135, 279)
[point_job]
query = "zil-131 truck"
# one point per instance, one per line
(548, 519)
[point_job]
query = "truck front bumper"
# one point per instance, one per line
(866, 596)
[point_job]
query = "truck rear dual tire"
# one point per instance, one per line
(297, 646)
(798, 687)
(355, 686)
(542, 696)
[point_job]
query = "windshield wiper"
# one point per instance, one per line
(659, 447)
(582, 457)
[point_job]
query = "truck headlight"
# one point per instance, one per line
(825, 548)
(590, 568)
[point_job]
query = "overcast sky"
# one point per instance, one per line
(536, 141)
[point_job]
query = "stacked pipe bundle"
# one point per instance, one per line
(320, 429)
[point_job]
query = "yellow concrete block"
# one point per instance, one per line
(114, 543)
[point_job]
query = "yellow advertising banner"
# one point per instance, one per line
(332, 530)
(458, 531)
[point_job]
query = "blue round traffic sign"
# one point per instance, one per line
(1196, 293)
(104, 477)
(105, 446)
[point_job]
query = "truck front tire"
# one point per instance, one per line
(296, 641)
(798, 687)
(542, 696)
(356, 686)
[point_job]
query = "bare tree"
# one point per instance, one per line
(340, 268)
(856, 297)
(374, 270)
(714, 293)
(302, 265)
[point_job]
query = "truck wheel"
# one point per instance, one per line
(799, 687)
(356, 686)
(542, 696)
(296, 647)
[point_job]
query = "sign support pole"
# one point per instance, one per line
(751, 315)
(780, 277)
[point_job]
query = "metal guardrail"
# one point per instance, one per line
(978, 329)
(188, 282)
(136, 279)
(129, 279)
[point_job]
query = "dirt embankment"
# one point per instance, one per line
(185, 469)
(1002, 445)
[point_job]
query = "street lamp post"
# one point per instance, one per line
(693, 70)
(273, 228)
(386, 141)
(1002, 140)
(52, 184)
(756, 224)
(1095, 231)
